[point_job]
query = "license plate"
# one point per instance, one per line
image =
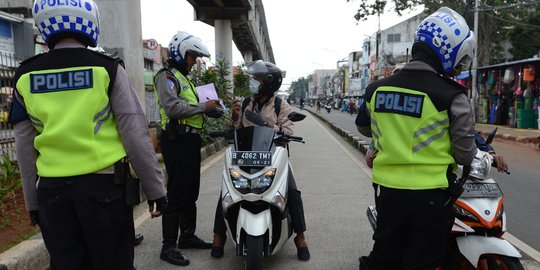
(252, 158)
(481, 190)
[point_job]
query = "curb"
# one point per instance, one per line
(353, 139)
(362, 145)
(32, 254)
(526, 140)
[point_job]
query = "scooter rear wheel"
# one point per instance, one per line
(254, 252)
(489, 262)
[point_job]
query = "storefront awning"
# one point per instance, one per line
(524, 61)
(10, 18)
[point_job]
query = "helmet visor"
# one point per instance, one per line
(464, 64)
(257, 69)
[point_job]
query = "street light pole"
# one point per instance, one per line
(475, 57)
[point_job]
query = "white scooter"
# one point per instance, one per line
(254, 192)
(476, 238)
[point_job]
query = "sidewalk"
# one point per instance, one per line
(344, 124)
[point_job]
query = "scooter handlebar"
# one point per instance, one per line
(287, 138)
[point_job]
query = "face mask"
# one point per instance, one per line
(254, 86)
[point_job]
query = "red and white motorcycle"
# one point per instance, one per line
(476, 238)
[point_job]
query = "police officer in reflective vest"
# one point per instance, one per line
(422, 127)
(181, 120)
(75, 116)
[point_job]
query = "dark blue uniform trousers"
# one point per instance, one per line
(85, 223)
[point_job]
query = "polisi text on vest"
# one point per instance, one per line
(401, 103)
(61, 81)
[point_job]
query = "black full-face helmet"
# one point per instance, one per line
(268, 73)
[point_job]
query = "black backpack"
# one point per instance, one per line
(277, 105)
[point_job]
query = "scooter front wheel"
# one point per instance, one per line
(254, 252)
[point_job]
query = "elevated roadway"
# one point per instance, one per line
(244, 19)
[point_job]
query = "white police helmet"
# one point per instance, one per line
(446, 32)
(54, 18)
(182, 43)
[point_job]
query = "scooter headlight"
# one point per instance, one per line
(240, 182)
(256, 185)
(462, 212)
(480, 168)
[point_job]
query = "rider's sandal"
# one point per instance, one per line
(302, 252)
(218, 250)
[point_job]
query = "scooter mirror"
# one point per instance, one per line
(295, 116)
(491, 135)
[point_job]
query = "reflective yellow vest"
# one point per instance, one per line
(412, 138)
(186, 92)
(70, 109)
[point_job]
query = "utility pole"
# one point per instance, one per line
(474, 94)
(377, 37)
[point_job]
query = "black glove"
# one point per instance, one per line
(161, 204)
(214, 113)
(34, 217)
(255, 117)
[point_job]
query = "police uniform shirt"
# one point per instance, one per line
(460, 114)
(175, 107)
(131, 125)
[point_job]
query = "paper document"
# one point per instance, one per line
(206, 92)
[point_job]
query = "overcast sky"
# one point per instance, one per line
(305, 34)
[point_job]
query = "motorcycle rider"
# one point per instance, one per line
(422, 127)
(181, 121)
(260, 111)
(75, 116)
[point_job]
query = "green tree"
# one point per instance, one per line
(498, 21)
(525, 37)
(299, 88)
(241, 83)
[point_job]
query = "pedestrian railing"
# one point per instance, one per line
(8, 64)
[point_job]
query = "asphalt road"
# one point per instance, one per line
(521, 188)
(336, 191)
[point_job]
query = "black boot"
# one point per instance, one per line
(364, 263)
(169, 252)
(138, 239)
(188, 239)
(173, 255)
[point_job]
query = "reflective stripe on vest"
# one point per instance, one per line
(417, 148)
(70, 110)
(186, 92)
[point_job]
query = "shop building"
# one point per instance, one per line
(508, 94)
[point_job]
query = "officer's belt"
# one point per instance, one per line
(190, 129)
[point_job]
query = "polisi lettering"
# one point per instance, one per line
(445, 18)
(400, 103)
(52, 3)
(61, 81)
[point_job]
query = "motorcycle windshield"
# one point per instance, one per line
(254, 138)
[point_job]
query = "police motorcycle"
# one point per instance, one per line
(254, 190)
(476, 238)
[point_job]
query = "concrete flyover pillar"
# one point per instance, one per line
(121, 31)
(248, 56)
(223, 34)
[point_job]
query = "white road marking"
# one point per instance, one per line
(533, 253)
